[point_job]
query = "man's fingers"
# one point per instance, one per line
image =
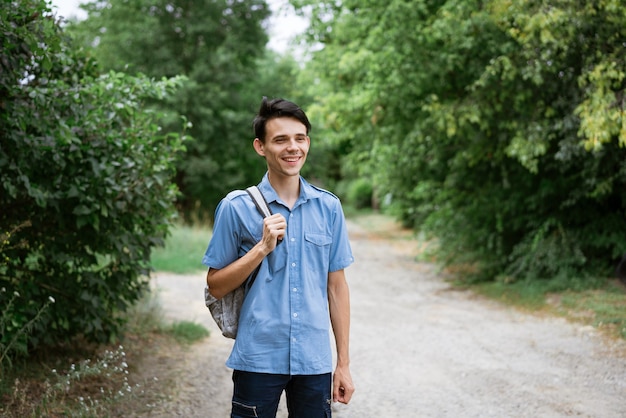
(275, 226)
(276, 220)
(342, 394)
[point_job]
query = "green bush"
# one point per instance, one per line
(360, 193)
(85, 185)
(496, 127)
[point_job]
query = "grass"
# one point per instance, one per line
(528, 296)
(183, 250)
(146, 318)
(603, 306)
(186, 332)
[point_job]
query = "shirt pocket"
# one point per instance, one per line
(317, 246)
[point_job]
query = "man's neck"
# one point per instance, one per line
(287, 188)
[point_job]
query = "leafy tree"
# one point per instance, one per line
(217, 45)
(495, 126)
(85, 184)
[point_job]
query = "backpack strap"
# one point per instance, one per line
(259, 201)
(265, 211)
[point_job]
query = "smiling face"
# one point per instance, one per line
(285, 148)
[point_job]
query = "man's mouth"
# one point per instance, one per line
(292, 159)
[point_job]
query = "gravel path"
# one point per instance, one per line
(422, 349)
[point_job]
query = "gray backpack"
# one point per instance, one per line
(225, 311)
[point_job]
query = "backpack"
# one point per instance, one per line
(225, 311)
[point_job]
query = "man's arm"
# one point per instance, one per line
(227, 279)
(339, 305)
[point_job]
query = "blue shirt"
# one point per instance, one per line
(284, 322)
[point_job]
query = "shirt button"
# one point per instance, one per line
(295, 289)
(295, 315)
(293, 264)
(293, 239)
(294, 339)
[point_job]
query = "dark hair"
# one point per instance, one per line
(277, 108)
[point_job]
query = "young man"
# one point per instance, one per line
(283, 340)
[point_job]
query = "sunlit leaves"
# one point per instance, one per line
(485, 121)
(602, 113)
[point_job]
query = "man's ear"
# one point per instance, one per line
(259, 147)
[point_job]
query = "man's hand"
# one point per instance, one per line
(274, 229)
(225, 280)
(343, 388)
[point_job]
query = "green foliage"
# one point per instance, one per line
(358, 193)
(496, 127)
(548, 253)
(183, 249)
(220, 47)
(85, 180)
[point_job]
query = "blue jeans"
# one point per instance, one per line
(258, 394)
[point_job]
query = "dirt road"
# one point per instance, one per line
(422, 349)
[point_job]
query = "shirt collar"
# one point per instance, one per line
(307, 191)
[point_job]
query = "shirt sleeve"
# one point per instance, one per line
(224, 244)
(341, 252)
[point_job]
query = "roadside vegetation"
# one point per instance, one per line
(82, 379)
(601, 305)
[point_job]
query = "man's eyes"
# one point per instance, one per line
(298, 138)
